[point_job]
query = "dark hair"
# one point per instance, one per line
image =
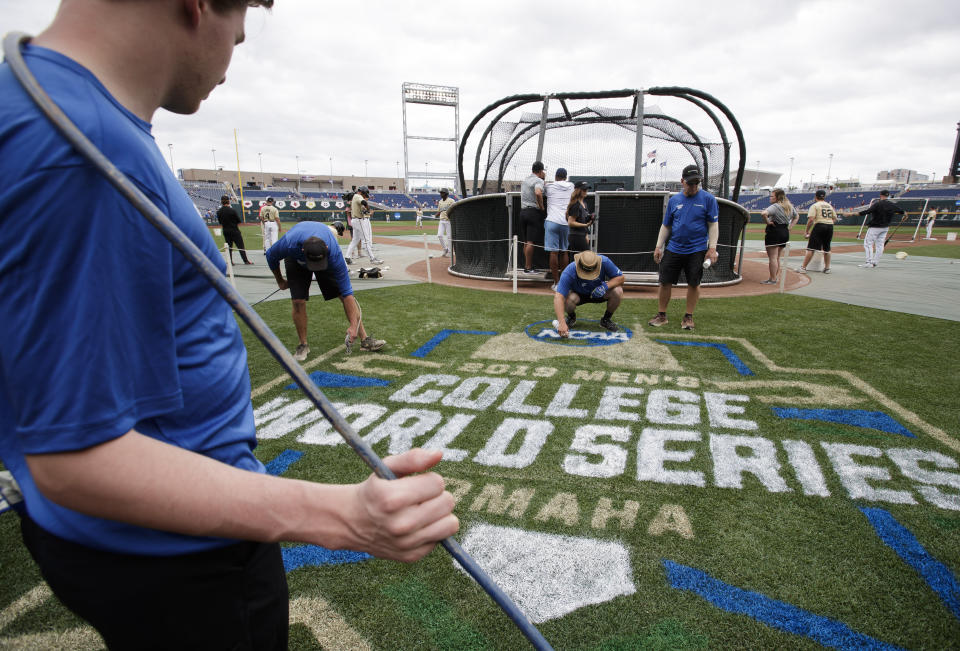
(224, 199)
(538, 166)
(223, 6)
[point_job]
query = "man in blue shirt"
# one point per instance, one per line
(310, 250)
(692, 228)
(125, 412)
(590, 278)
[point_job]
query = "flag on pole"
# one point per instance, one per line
(663, 164)
(652, 154)
(643, 165)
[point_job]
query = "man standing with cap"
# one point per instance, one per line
(230, 222)
(362, 231)
(590, 278)
(532, 214)
(556, 230)
(443, 230)
(820, 220)
(691, 224)
(270, 221)
(881, 214)
(309, 250)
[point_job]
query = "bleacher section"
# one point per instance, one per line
(206, 196)
(849, 199)
(940, 193)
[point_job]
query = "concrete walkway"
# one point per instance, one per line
(920, 285)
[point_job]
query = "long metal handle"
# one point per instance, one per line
(11, 52)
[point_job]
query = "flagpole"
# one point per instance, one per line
(236, 145)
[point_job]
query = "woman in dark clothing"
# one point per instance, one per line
(578, 218)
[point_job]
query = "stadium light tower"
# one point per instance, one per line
(829, 165)
(790, 178)
(214, 152)
(298, 173)
(260, 159)
(170, 147)
(444, 96)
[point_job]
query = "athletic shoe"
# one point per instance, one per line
(659, 320)
(376, 261)
(867, 265)
(768, 282)
(301, 353)
(529, 271)
(827, 271)
(571, 319)
(553, 287)
(372, 344)
(802, 270)
(348, 260)
(446, 254)
(247, 262)
(609, 324)
(687, 322)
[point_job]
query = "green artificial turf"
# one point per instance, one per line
(819, 554)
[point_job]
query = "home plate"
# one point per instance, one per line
(548, 575)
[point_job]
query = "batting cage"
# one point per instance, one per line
(625, 230)
(629, 149)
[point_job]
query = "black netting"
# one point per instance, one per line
(599, 141)
(480, 228)
(627, 228)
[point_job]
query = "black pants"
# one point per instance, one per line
(234, 597)
(233, 237)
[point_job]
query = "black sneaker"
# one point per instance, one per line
(571, 320)
(609, 324)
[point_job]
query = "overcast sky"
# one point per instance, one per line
(875, 83)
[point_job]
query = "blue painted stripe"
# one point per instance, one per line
(279, 464)
(731, 356)
(856, 417)
(316, 556)
(439, 338)
(937, 575)
(778, 614)
(324, 379)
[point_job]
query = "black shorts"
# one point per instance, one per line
(298, 278)
(531, 225)
(820, 238)
(577, 242)
(671, 264)
(776, 235)
(232, 597)
(588, 298)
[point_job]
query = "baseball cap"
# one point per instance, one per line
(821, 194)
(588, 265)
(317, 254)
(690, 172)
(224, 198)
(582, 184)
(363, 189)
(444, 191)
(885, 192)
(269, 199)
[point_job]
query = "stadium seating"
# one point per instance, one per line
(946, 193)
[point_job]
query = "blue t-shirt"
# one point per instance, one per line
(291, 246)
(688, 219)
(105, 327)
(571, 282)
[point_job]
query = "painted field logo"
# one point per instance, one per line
(591, 335)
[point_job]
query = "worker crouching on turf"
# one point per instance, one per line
(310, 250)
(590, 278)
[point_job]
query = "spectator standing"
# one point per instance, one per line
(780, 216)
(590, 278)
(691, 225)
(556, 230)
(443, 229)
(270, 221)
(532, 214)
(419, 216)
(579, 218)
(230, 223)
(145, 507)
(819, 231)
(881, 213)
